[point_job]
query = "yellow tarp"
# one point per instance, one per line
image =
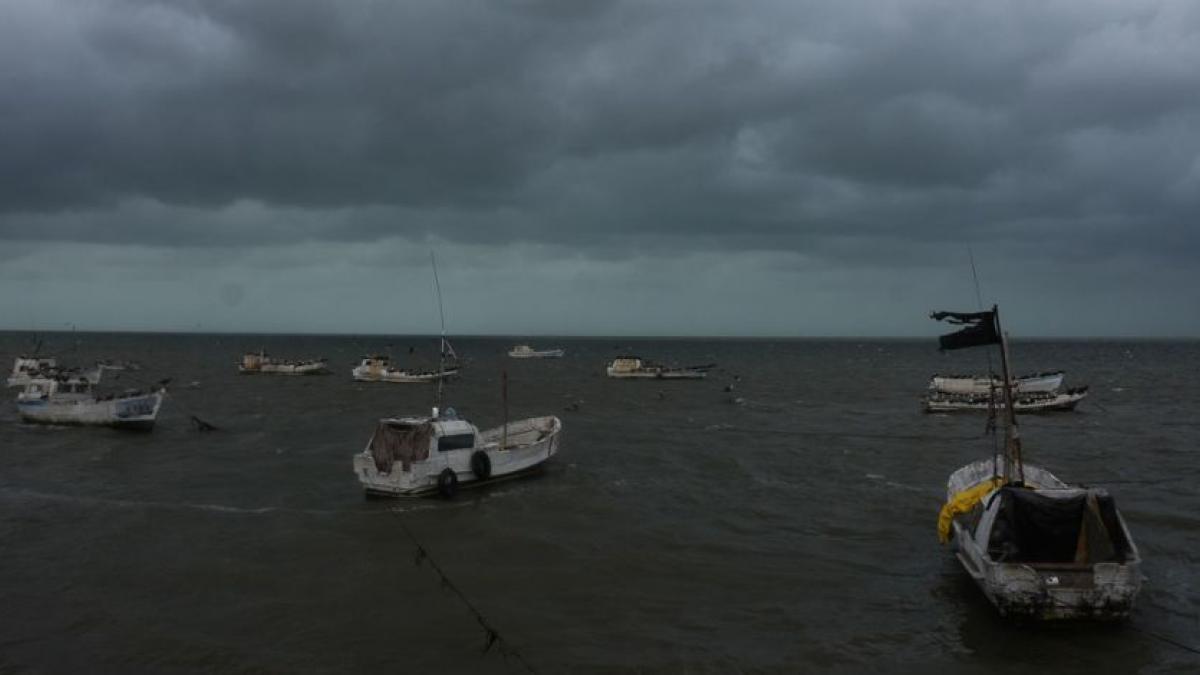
(963, 502)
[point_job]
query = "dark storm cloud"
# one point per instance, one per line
(857, 130)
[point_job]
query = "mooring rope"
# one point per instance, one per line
(491, 636)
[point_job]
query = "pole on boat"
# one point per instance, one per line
(1012, 436)
(504, 394)
(442, 348)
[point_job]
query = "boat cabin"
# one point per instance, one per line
(44, 387)
(627, 364)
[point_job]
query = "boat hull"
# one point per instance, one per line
(1063, 402)
(400, 377)
(665, 375)
(286, 369)
(1042, 383)
(546, 354)
(136, 413)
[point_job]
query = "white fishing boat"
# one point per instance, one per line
(527, 352)
(379, 369)
(260, 363)
(983, 385)
(632, 367)
(27, 368)
(72, 400)
(939, 402)
(1037, 547)
(410, 456)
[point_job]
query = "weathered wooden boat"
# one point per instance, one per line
(632, 367)
(1037, 547)
(527, 352)
(379, 369)
(260, 363)
(983, 385)
(72, 400)
(28, 368)
(411, 456)
(938, 402)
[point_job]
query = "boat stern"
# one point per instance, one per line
(1101, 592)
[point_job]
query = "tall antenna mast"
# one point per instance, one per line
(991, 423)
(442, 315)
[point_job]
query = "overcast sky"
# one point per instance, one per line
(600, 167)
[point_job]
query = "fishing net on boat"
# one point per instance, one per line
(403, 443)
(1080, 527)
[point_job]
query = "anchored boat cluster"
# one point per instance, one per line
(1037, 546)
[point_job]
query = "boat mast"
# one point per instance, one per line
(442, 349)
(1012, 435)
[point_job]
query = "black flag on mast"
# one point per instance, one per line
(979, 328)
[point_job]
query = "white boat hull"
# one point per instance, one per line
(531, 442)
(361, 374)
(545, 354)
(1042, 383)
(1026, 404)
(658, 375)
(130, 412)
(311, 368)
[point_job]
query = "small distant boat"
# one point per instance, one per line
(1037, 383)
(1037, 547)
(938, 402)
(72, 400)
(28, 368)
(379, 369)
(411, 456)
(527, 352)
(260, 362)
(632, 367)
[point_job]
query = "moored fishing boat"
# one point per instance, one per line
(1037, 547)
(983, 385)
(72, 400)
(632, 367)
(410, 456)
(379, 369)
(259, 362)
(527, 352)
(939, 402)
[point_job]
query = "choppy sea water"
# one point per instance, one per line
(677, 531)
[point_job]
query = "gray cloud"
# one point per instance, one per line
(874, 137)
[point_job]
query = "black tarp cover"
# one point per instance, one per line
(1037, 528)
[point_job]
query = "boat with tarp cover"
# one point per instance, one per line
(1037, 547)
(413, 456)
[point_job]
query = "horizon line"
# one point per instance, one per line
(576, 336)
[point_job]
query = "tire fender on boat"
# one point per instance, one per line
(447, 483)
(481, 464)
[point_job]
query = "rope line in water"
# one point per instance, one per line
(845, 434)
(491, 636)
(1167, 639)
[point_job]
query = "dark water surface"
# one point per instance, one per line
(676, 531)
